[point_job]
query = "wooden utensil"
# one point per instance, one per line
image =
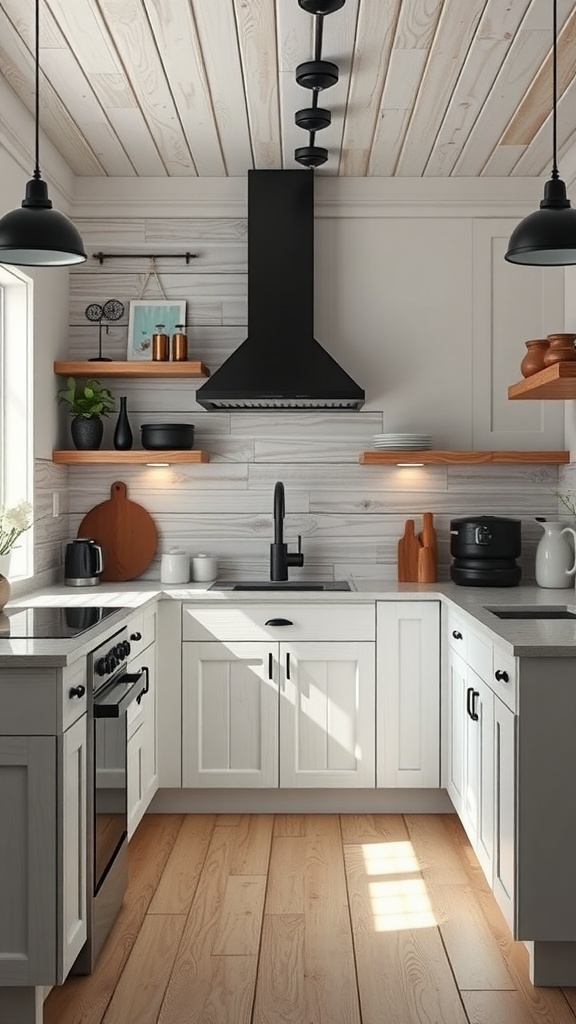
(428, 563)
(126, 532)
(408, 548)
(426, 566)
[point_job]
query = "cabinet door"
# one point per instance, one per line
(28, 920)
(327, 707)
(478, 805)
(504, 874)
(455, 728)
(73, 844)
(142, 746)
(408, 693)
(230, 714)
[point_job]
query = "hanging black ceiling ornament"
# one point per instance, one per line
(547, 237)
(316, 74)
(36, 235)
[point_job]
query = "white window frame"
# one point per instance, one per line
(16, 407)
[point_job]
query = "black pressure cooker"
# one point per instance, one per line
(485, 549)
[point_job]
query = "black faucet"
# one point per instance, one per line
(280, 558)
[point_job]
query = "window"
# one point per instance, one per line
(16, 420)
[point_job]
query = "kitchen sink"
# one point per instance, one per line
(281, 585)
(532, 613)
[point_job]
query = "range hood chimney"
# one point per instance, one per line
(280, 365)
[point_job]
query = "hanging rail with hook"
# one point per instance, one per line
(101, 256)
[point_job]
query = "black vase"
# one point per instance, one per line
(123, 434)
(87, 433)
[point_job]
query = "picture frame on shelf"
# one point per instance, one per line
(143, 321)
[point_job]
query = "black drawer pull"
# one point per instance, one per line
(471, 695)
(278, 622)
(143, 692)
(270, 667)
(456, 634)
(288, 665)
(136, 636)
(502, 677)
(77, 691)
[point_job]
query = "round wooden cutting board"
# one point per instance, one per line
(126, 532)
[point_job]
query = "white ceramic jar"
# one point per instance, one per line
(204, 568)
(175, 567)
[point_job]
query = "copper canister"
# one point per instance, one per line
(179, 345)
(160, 344)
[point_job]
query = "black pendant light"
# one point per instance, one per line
(36, 235)
(547, 238)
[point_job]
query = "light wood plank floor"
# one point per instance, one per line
(307, 919)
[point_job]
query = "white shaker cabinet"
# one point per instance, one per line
(408, 693)
(479, 762)
(142, 752)
(230, 714)
(327, 714)
(278, 694)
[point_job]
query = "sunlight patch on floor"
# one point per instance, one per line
(401, 903)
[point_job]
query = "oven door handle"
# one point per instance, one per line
(116, 698)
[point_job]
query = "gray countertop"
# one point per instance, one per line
(524, 638)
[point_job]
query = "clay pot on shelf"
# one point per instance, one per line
(561, 349)
(533, 361)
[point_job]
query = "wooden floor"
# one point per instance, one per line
(307, 919)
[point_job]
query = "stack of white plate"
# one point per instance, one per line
(405, 442)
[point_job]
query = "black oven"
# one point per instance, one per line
(111, 691)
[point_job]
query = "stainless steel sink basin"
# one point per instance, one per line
(281, 585)
(532, 613)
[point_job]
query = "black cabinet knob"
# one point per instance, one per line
(77, 691)
(135, 636)
(456, 634)
(502, 677)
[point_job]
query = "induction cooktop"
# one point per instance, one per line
(50, 623)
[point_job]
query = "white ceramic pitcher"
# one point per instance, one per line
(571, 571)
(554, 557)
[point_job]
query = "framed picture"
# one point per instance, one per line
(148, 318)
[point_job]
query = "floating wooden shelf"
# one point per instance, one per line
(131, 368)
(136, 458)
(453, 458)
(556, 381)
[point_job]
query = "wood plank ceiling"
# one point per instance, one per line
(207, 87)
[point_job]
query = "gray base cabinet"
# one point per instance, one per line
(43, 839)
(508, 750)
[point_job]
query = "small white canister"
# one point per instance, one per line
(204, 568)
(175, 567)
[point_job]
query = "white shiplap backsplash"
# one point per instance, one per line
(350, 516)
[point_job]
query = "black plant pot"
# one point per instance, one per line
(87, 433)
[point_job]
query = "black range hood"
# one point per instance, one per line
(280, 365)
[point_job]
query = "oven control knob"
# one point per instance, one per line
(100, 667)
(113, 662)
(127, 647)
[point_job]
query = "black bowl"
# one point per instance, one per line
(165, 436)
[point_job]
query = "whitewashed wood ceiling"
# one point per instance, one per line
(207, 87)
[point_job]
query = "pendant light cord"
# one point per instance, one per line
(37, 57)
(554, 85)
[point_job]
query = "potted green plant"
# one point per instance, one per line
(87, 403)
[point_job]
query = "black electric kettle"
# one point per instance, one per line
(83, 563)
